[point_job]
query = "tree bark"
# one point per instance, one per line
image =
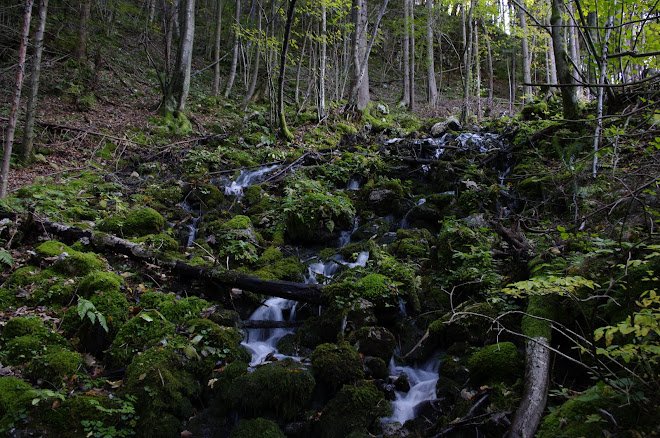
(477, 68)
(322, 61)
(467, 60)
(430, 64)
(257, 58)
(85, 13)
(216, 49)
(234, 57)
(405, 100)
(13, 112)
(535, 394)
(31, 109)
(562, 64)
(284, 129)
(526, 61)
(178, 87)
(602, 71)
(489, 103)
(411, 4)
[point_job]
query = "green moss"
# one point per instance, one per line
(52, 248)
(80, 263)
(496, 363)
(154, 300)
(337, 364)
(22, 326)
(289, 269)
(22, 276)
(326, 253)
(270, 255)
(238, 222)
(283, 389)
(137, 222)
(67, 418)
(143, 331)
(55, 366)
(22, 349)
(178, 311)
(158, 242)
(209, 344)
(209, 195)
(374, 341)
(100, 281)
(15, 395)
(575, 418)
(257, 428)
(252, 195)
(163, 390)
(542, 306)
(354, 408)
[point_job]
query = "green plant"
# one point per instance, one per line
(124, 415)
(86, 309)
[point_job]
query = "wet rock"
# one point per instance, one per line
(376, 367)
(440, 128)
(374, 341)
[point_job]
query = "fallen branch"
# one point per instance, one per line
(258, 324)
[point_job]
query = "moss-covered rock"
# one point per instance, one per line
(256, 428)
(178, 311)
(288, 269)
(280, 389)
(15, 394)
(145, 330)
(496, 363)
(208, 195)
(163, 390)
(69, 261)
(54, 366)
(374, 341)
(354, 408)
(52, 248)
(99, 281)
(158, 242)
(136, 223)
(22, 349)
(337, 364)
(210, 345)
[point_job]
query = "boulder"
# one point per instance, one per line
(440, 128)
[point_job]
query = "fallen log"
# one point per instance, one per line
(309, 293)
(262, 324)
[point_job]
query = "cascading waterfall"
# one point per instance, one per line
(247, 178)
(263, 342)
(422, 388)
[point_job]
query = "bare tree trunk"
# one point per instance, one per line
(234, 57)
(178, 87)
(13, 113)
(169, 17)
(405, 100)
(255, 72)
(322, 62)
(602, 65)
(564, 76)
(574, 46)
(477, 67)
(31, 110)
(411, 4)
(284, 129)
(216, 49)
(526, 61)
(467, 60)
(301, 58)
(489, 103)
(430, 65)
(85, 13)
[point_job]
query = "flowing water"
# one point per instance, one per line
(263, 342)
(248, 178)
(422, 388)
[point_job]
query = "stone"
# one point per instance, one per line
(440, 128)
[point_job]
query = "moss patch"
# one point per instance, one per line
(495, 363)
(136, 223)
(259, 427)
(337, 364)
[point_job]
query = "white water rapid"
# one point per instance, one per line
(262, 342)
(422, 388)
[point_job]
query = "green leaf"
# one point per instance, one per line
(6, 258)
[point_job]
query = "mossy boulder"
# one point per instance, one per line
(15, 394)
(163, 390)
(99, 281)
(209, 345)
(158, 242)
(69, 261)
(22, 349)
(256, 428)
(54, 366)
(281, 389)
(180, 310)
(143, 331)
(79, 412)
(500, 362)
(336, 365)
(208, 195)
(136, 223)
(374, 341)
(52, 248)
(354, 408)
(30, 326)
(288, 269)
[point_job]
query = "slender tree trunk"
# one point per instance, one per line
(169, 17)
(255, 73)
(301, 59)
(31, 110)
(526, 60)
(467, 60)
(564, 76)
(602, 65)
(322, 62)
(430, 65)
(411, 4)
(13, 112)
(284, 129)
(179, 85)
(216, 49)
(489, 103)
(574, 45)
(234, 57)
(405, 100)
(477, 69)
(85, 13)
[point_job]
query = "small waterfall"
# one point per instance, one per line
(361, 260)
(345, 236)
(404, 222)
(353, 184)
(247, 178)
(422, 388)
(263, 342)
(194, 226)
(326, 270)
